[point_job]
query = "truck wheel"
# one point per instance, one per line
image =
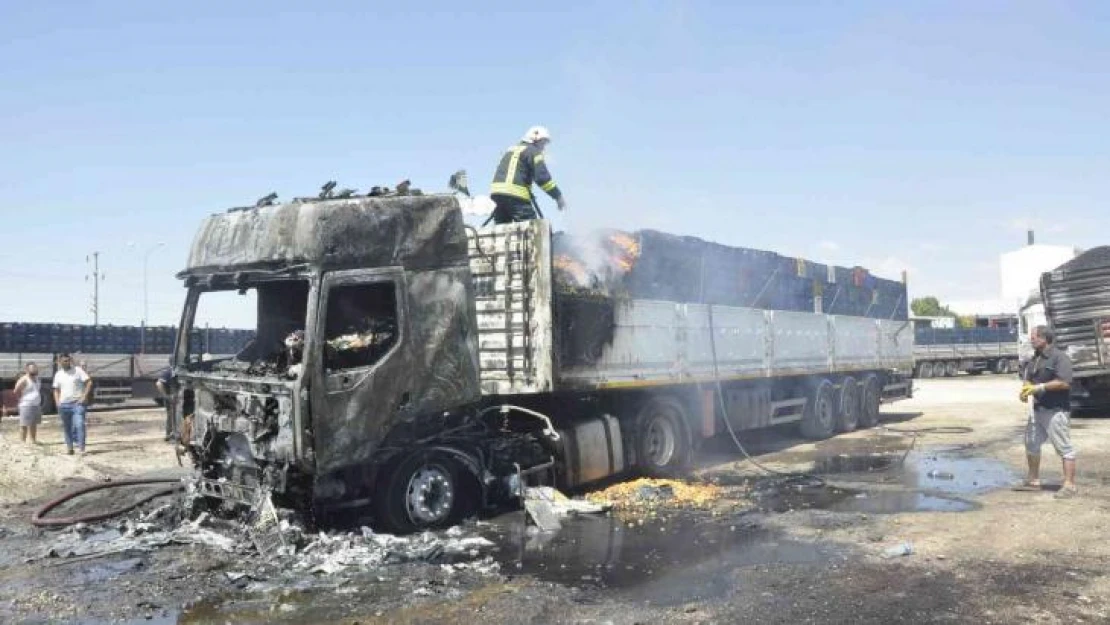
(1013, 366)
(1000, 366)
(870, 398)
(820, 417)
(952, 369)
(847, 414)
(662, 440)
(925, 370)
(422, 492)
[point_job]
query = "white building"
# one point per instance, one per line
(1021, 270)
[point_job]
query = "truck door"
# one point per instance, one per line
(365, 364)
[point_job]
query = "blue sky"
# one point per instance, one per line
(917, 136)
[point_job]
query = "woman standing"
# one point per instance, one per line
(28, 390)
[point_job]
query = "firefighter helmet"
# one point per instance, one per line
(537, 133)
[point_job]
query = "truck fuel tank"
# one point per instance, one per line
(591, 450)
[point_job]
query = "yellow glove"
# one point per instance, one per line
(1026, 390)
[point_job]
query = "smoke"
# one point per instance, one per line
(596, 260)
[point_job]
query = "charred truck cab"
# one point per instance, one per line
(404, 361)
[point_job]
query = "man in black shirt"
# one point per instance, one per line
(1047, 380)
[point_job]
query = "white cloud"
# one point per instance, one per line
(829, 246)
(931, 247)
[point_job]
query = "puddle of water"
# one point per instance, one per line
(107, 571)
(777, 498)
(668, 556)
(931, 470)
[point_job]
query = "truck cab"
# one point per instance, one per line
(363, 336)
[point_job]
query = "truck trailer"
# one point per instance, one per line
(947, 352)
(407, 363)
(1076, 297)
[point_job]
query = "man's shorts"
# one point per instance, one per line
(1049, 425)
(30, 415)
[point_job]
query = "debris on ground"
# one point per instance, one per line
(648, 493)
(899, 550)
(331, 553)
(547, 506)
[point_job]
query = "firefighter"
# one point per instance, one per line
(520, 166)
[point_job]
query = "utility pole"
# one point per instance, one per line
(96, 278)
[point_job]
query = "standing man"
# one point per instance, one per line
(520, 166)
(72, 386)
(1047, 381)
(28, 390)
(166, 385)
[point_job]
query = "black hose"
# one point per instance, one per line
(728, 422)
(38, 520)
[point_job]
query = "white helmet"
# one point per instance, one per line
(536, 133)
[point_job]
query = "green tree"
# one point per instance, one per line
(930, 306)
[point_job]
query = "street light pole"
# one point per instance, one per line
(146, 299)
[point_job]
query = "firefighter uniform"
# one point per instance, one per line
(511, 191)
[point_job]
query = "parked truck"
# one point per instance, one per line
(947, 352)
(409, 363)
(1076, 298)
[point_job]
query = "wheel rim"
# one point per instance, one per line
(430, 495)
(660, 440)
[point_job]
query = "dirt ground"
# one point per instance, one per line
(773, 549)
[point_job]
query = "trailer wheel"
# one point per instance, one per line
(820, 417)
(951, 369)
(1013, 366)
(422, 492)
(870, 398)
(847, 414)
(662, 440)
(925, 370)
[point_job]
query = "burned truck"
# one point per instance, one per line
(406, 363)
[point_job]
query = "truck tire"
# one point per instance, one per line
(422, 492)
(662, 443)
(820, 416)
(1000, 366)
(1013, 366)
(925, 370)
(951, 369)
(870, 398)
(847, 414)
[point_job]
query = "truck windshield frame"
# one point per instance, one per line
(282, 305)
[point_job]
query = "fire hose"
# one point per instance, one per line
(38, 518)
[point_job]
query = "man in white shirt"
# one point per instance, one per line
(72, 386)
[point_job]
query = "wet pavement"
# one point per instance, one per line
(607, 552)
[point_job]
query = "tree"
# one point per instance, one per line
(930, 306)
